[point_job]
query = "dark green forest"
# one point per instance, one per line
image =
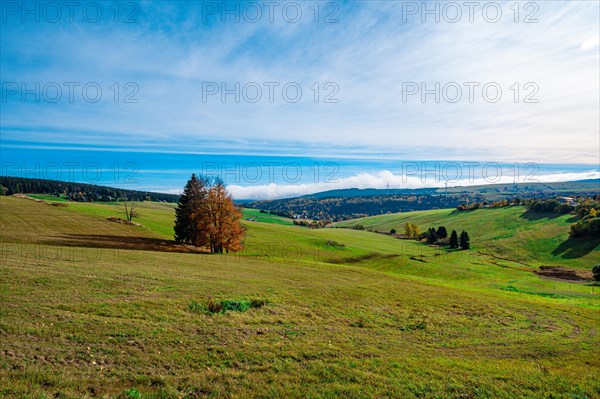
(80, 192)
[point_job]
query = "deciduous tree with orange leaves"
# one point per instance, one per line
(207, 217)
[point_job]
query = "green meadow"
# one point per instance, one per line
(94, 308)
(509, 233)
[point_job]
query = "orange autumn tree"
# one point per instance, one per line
(206, 216)
(222, 223)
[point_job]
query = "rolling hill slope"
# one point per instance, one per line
(510, 233)
(82, 316)
(345, 204)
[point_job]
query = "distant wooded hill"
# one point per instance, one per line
(492, 191)
(78, 191)
(343, 208)
(352, 203)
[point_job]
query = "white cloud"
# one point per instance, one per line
(590, 43)
(382, 179)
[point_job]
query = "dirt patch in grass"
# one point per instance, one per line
(564, 273)
(57, 204)
(123, 221)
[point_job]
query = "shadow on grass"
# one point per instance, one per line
(529, 215)
(464, 212)
(576, 247)
(122, 242)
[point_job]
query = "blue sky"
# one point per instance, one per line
(157, 62)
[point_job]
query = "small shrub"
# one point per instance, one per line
(360, 323)
(235, 306)
(132, 394)
(213, 306)
(413, 327)
(420, 326)
(258, 303)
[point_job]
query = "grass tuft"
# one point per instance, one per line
(131, 393)
(212, 306)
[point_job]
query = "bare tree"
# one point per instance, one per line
(131, 210)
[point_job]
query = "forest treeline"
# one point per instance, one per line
(345, 208)
(338, 208)
(81, 192)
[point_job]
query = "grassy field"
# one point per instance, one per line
(265, 217)
(94, 308)
(510, 233)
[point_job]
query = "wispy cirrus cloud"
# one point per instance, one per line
(370, 55)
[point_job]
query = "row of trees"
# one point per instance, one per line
(433, 235)
(437, 236)
(486, 204)
(588, 213)
(313, 224)
(549, 206)
(464, 241)
(587, 226)
(207, 217)
(440, 236)
(584, 207)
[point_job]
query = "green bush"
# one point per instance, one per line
(586, 227)
(132, 394)
(213, 306)
(235, 306)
